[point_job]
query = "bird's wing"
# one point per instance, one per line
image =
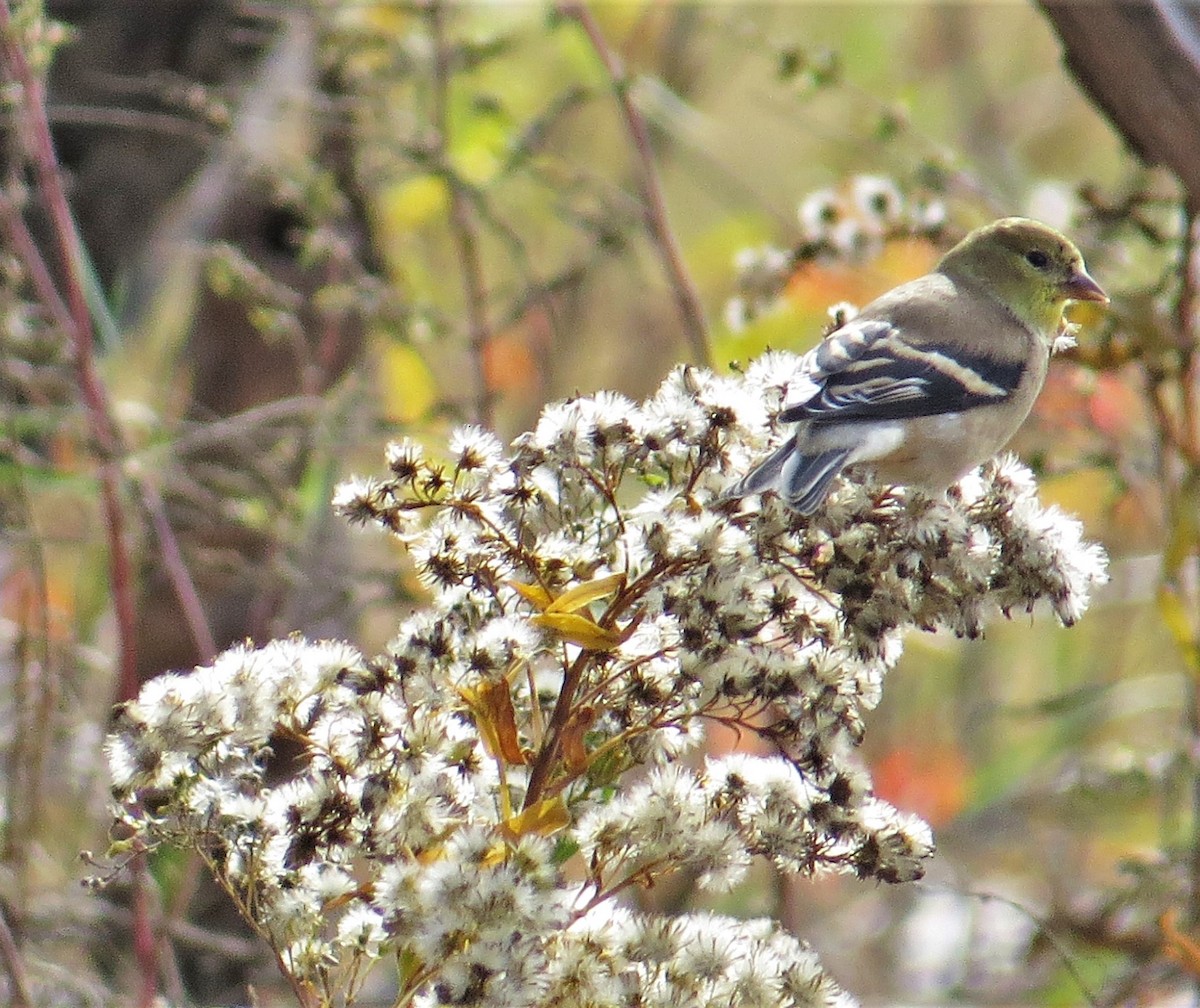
(866, 370)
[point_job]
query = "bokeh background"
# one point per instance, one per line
(309, 229)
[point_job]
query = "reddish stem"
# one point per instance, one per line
(687, 300)
(40, 150)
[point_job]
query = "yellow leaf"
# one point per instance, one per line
(545, 818)
(497, 853)
(478, 159)
(535, 595)
(432, 855)
(407, 387)
(408, 964)
(586, 593)
(388, 20)
(580, 630)
(1179, 622)
(492, 705)
(408, 205)
(783, 327)
(1184, 538)
(1087, 492)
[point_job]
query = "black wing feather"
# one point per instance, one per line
(869, 374)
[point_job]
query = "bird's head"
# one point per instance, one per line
(1029, 267)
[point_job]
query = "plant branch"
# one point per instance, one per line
(178, 573)
(539, 775)
(18, 980)
(687, 300)
(1186, 308)
(23, 245)
(39, 148)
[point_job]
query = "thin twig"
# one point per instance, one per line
(462, 222)
(178, 573)
(687, 300)
(246, 424)
(1170, 430)
(1186, 308)
(133, 121)
(37, 698)
(18, 980)
(98, 911)
(22, 243)
(564, 707)
(1186, 325)
(1044, 928)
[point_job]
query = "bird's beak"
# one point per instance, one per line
(1081, 287)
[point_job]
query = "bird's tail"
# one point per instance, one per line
(801, 480)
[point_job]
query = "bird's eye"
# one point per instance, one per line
(1037, 259)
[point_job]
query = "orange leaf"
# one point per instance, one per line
(930, 780)
(509, 363)
(571, 743)
(1063, 399)
(817, 285)
(492, 705)
(1179, 946)
(1114, 407)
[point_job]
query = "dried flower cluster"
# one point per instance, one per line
(848, 224)
(470, 805)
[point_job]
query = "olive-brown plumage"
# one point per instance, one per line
(934, 377)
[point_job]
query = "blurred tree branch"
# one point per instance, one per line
(1140, 63)
(687, 300)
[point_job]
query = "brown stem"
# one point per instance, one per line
(1139, 63)
(178, 573)
(39, 149)
(145, 944)
(23, 245)
(1186, 309)
(18, 979)
(687, 300)
(539, 776)
(1169, 428)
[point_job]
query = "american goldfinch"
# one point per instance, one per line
(933, 377)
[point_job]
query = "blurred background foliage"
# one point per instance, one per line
(310, 229)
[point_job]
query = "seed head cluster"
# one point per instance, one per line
(475, 803)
